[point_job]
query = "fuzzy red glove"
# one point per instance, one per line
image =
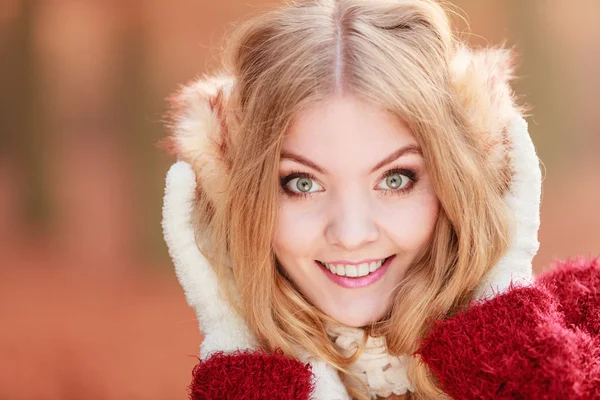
(251, 375)
(538, 342)
(576, 286)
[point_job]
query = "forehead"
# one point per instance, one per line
(346, 130)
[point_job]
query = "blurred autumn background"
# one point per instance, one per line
(89, 304)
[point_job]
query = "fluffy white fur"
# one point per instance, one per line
(197, 134)
(523, 198)
(223, 329)
(481, 80)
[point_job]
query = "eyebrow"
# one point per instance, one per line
(299, 159)
(409, 149)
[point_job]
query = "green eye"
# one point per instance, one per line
(394, 181)
(303, 184)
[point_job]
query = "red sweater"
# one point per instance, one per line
(537, 342)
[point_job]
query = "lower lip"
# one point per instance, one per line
(359, 282)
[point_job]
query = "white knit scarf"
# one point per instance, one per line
(383, 373)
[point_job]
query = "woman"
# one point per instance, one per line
(355, 213)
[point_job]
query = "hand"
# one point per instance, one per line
(538, 342)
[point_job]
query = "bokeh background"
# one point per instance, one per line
(89, 304)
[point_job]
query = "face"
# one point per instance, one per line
(356, 208)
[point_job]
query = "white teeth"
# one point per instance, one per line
(373, 266)
(363, 269)
(353, 270)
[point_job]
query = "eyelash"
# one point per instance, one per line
(292, 175)
(411, 175)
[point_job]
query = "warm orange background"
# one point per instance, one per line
(89, 305)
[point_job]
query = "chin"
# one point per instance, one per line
(360, 320)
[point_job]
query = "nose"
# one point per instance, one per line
(351, 225)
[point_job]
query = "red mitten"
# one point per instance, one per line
(576, 286)
(251, 375)
(527, 343)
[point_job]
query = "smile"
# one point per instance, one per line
(354, 270)
(356, 275)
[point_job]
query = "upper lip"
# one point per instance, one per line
(370, 260)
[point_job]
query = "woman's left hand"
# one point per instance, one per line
(538, 342)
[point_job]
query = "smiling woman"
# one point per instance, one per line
(356, 203)
(351, 213)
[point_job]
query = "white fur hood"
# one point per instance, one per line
(481, 79)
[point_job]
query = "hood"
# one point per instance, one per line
(199, 139)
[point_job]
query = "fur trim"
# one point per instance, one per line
(481, 80)
(199, 133)
(223, 329)
(523, 199)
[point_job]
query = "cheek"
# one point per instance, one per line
(411, 224)
(298, 229)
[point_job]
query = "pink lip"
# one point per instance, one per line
(355, 283)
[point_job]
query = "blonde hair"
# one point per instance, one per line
(396, 54)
